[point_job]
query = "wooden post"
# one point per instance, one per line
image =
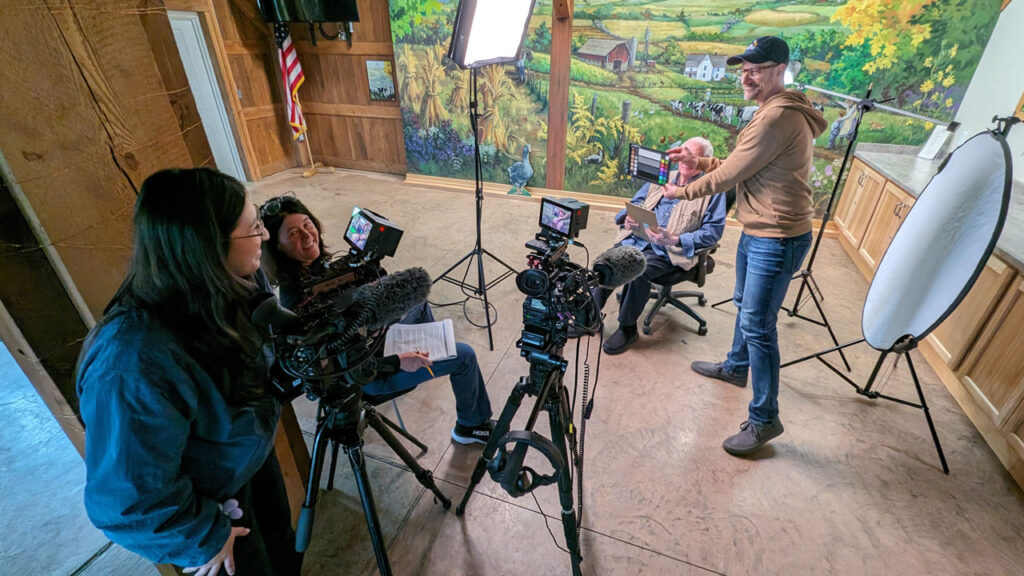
(626, 104)
(558, 91)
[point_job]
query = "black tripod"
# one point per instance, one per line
(478, 251)
(341, 423)
(902, 347)
(544, 382)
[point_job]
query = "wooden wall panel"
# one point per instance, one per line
(346, 128)
(256, 78)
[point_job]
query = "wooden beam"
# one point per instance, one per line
(558, 95)
(562, 9)
(312, 108)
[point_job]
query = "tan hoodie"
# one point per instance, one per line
(769, 168)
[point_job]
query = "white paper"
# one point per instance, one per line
(434, 338)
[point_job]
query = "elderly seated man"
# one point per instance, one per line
(684, 228)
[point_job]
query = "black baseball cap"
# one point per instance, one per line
(764, 49)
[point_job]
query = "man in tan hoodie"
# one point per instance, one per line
(769, 169)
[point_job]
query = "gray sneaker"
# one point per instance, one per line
(718, 371)
(751, 437)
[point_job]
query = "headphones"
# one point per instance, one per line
(508, 470)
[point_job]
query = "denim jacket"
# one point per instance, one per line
(162, 446)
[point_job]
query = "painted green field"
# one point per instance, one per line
(781, 19)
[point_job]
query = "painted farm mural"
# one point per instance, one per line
(654, 72)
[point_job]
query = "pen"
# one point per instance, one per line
(427, 367)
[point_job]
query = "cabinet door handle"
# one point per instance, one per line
(860, 179)
(896, 209)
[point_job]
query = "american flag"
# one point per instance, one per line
(291, 73)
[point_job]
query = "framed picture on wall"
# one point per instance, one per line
(382, 81)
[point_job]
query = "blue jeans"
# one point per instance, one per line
(764, 267)
(472, 405)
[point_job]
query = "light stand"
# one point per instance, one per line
(806, 275)
(478, 251)
(484, 33)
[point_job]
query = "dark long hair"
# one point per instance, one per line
(283, 269)
(179, 273)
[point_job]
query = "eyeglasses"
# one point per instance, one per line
(753, 71)
(259, 226)
(273, 206)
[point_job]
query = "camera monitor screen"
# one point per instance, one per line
(647, 164)
(555, 217)
(563, 216)
(358, 230)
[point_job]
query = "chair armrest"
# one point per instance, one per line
(703, 258)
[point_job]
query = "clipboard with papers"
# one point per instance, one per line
(642, 216)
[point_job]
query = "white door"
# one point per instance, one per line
(188, 35)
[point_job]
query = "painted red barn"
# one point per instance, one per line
(608, 54)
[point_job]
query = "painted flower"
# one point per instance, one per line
(952, 51)
(828, 170)
(928, 62)
(927, 86)
(949, 102)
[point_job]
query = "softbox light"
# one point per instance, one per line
(489, 31)
(942, 246)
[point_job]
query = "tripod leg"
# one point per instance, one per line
(927, 414)
(799, 295)
(401, 431)
(305, 526)
(828, 326)
(334, 465)
(358, 462)
(570, 524)
(422, 475)
(482, 284)
(515, 399)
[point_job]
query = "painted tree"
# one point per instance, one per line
(409, 14)
(888, 27)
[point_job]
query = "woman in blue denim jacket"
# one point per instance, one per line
(179, 431)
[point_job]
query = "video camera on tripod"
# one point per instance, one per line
(559, 292)
(559, 295)
(346, 304)
(326, 349)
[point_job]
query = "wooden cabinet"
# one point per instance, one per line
(863, 188)
(854, 181)
(993, 371)
(955, 335)
(890, 210)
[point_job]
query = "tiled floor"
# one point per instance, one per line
(852, 487)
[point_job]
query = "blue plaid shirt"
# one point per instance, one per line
(710, 231)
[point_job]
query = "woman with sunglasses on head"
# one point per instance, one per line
(296, 252)
(179, 431)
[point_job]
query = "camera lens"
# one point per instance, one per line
(532, 282)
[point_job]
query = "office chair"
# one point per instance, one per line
(666, 282)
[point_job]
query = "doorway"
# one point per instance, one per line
(192, 46)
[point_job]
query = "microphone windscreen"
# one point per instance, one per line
(268, 313)
(618, 265)
(390, 298)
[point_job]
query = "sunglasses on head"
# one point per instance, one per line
(273, 206)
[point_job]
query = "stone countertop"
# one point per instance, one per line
(901, 165)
